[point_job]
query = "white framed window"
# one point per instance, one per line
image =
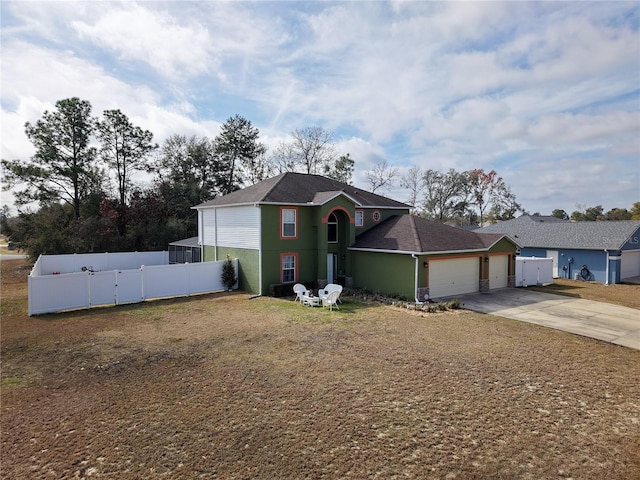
(332, 229)
(289, 217)
(288, 262)
(359, 218)
(376, 216)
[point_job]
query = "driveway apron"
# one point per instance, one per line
(603, 321)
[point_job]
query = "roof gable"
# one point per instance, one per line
(321, 198)
(409, 233)
(298, 188)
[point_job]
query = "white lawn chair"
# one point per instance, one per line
(331, 300)
(331, 287)
(300, 290)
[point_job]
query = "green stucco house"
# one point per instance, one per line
(314, 230)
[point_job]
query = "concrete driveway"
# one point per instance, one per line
(604, 321)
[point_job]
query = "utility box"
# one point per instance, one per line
(533, 271)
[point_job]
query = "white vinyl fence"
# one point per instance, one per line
(89, 280)
(533, 271)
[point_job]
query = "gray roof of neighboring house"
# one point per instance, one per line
(530, 231)
(409, 233)
(186, 242)
(298, 188)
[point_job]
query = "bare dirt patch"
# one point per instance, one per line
(221, 386)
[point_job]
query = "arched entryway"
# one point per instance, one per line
(338, 225)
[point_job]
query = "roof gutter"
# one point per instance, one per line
(293, 204)
(405, 252)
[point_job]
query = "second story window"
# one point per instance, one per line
(332, 228)
(359, 218)
(289, 223)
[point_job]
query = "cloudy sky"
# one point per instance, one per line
(547, 94)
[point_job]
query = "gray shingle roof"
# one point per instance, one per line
(299, 188)
(187, 242)
(528, 232)
(408, 233)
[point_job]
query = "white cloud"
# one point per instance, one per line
(136, 33)
(546, 184)
(442, 85)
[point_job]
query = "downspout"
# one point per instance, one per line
(607, 267)
(215, 234)
(415, 288)
(259, 249)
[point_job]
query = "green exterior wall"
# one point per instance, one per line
(386, 273)
(505, 245)
(394, 273)
(311, 244)
(248, 264)
(305, 245)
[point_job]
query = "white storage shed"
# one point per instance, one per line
(533, 271)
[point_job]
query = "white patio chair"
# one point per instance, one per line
(331, 300)
(300, 290)
(331, 287)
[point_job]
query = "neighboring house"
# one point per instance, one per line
(314, 230)
(185, 251)
(610, 250)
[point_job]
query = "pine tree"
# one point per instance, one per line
(228, 273)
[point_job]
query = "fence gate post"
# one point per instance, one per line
(142, 281)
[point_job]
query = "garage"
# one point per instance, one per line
(498, 271)
(630, 266)
(455, 276)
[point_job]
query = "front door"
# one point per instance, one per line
(332, 267)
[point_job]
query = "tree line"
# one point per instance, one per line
(472, 197)
(597, 213)
(82, 179)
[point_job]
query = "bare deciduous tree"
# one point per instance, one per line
(413, 181)
(310, 151)
(381, 176)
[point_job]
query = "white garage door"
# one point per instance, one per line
(630, 264)
(498, 271)
(453, 277)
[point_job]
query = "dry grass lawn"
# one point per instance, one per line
(620, 294)
(221, 386)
